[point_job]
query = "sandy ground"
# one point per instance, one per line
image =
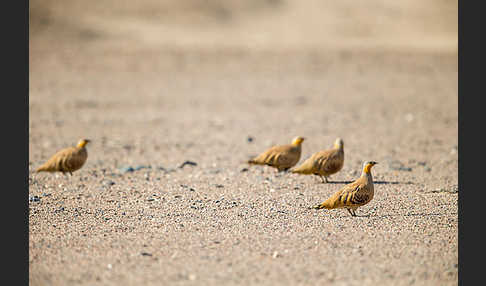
(216, 82)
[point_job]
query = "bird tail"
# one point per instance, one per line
(43, 168)
(302, 169)
(297, 171)
(253, 162)
(40, 169)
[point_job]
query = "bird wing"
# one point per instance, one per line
(75, 160)
(350, 195)
(274, 155)
(66, 160)
(286, 159)
(323, 160)
(56, 162)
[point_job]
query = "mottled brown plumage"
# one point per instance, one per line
(353, 195)
(67, 160)
(282, 157)
(323, 163)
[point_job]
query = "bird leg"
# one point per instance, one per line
(323, 179)
(351, 213)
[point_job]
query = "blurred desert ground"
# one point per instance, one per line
(155, 83)
(273, 25)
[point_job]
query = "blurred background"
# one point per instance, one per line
(170, 74)
(427, 26)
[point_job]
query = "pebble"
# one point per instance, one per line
(275, 254)
(187, 162)
(108, 183)
(124, 170)
(34, 199)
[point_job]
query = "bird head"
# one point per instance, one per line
(298, 140)
(83, 142)
(368, 165)
(339, 143)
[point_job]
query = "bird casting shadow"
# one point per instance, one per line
(397, 215)
(374, 182)
(414, 214)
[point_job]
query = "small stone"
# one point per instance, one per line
(191, 163)
(275, 254)
(108, 182)
(127, 169)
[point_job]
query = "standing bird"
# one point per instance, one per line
(353, 195)
(67, 160)
(282, 157)
(323, 163)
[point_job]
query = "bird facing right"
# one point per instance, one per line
(67, 160)
(282, 157)
(323, 163)
(353, 195)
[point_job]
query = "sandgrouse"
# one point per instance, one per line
(67, 160)
(323, 163)
(282, 157)
(353, 195)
